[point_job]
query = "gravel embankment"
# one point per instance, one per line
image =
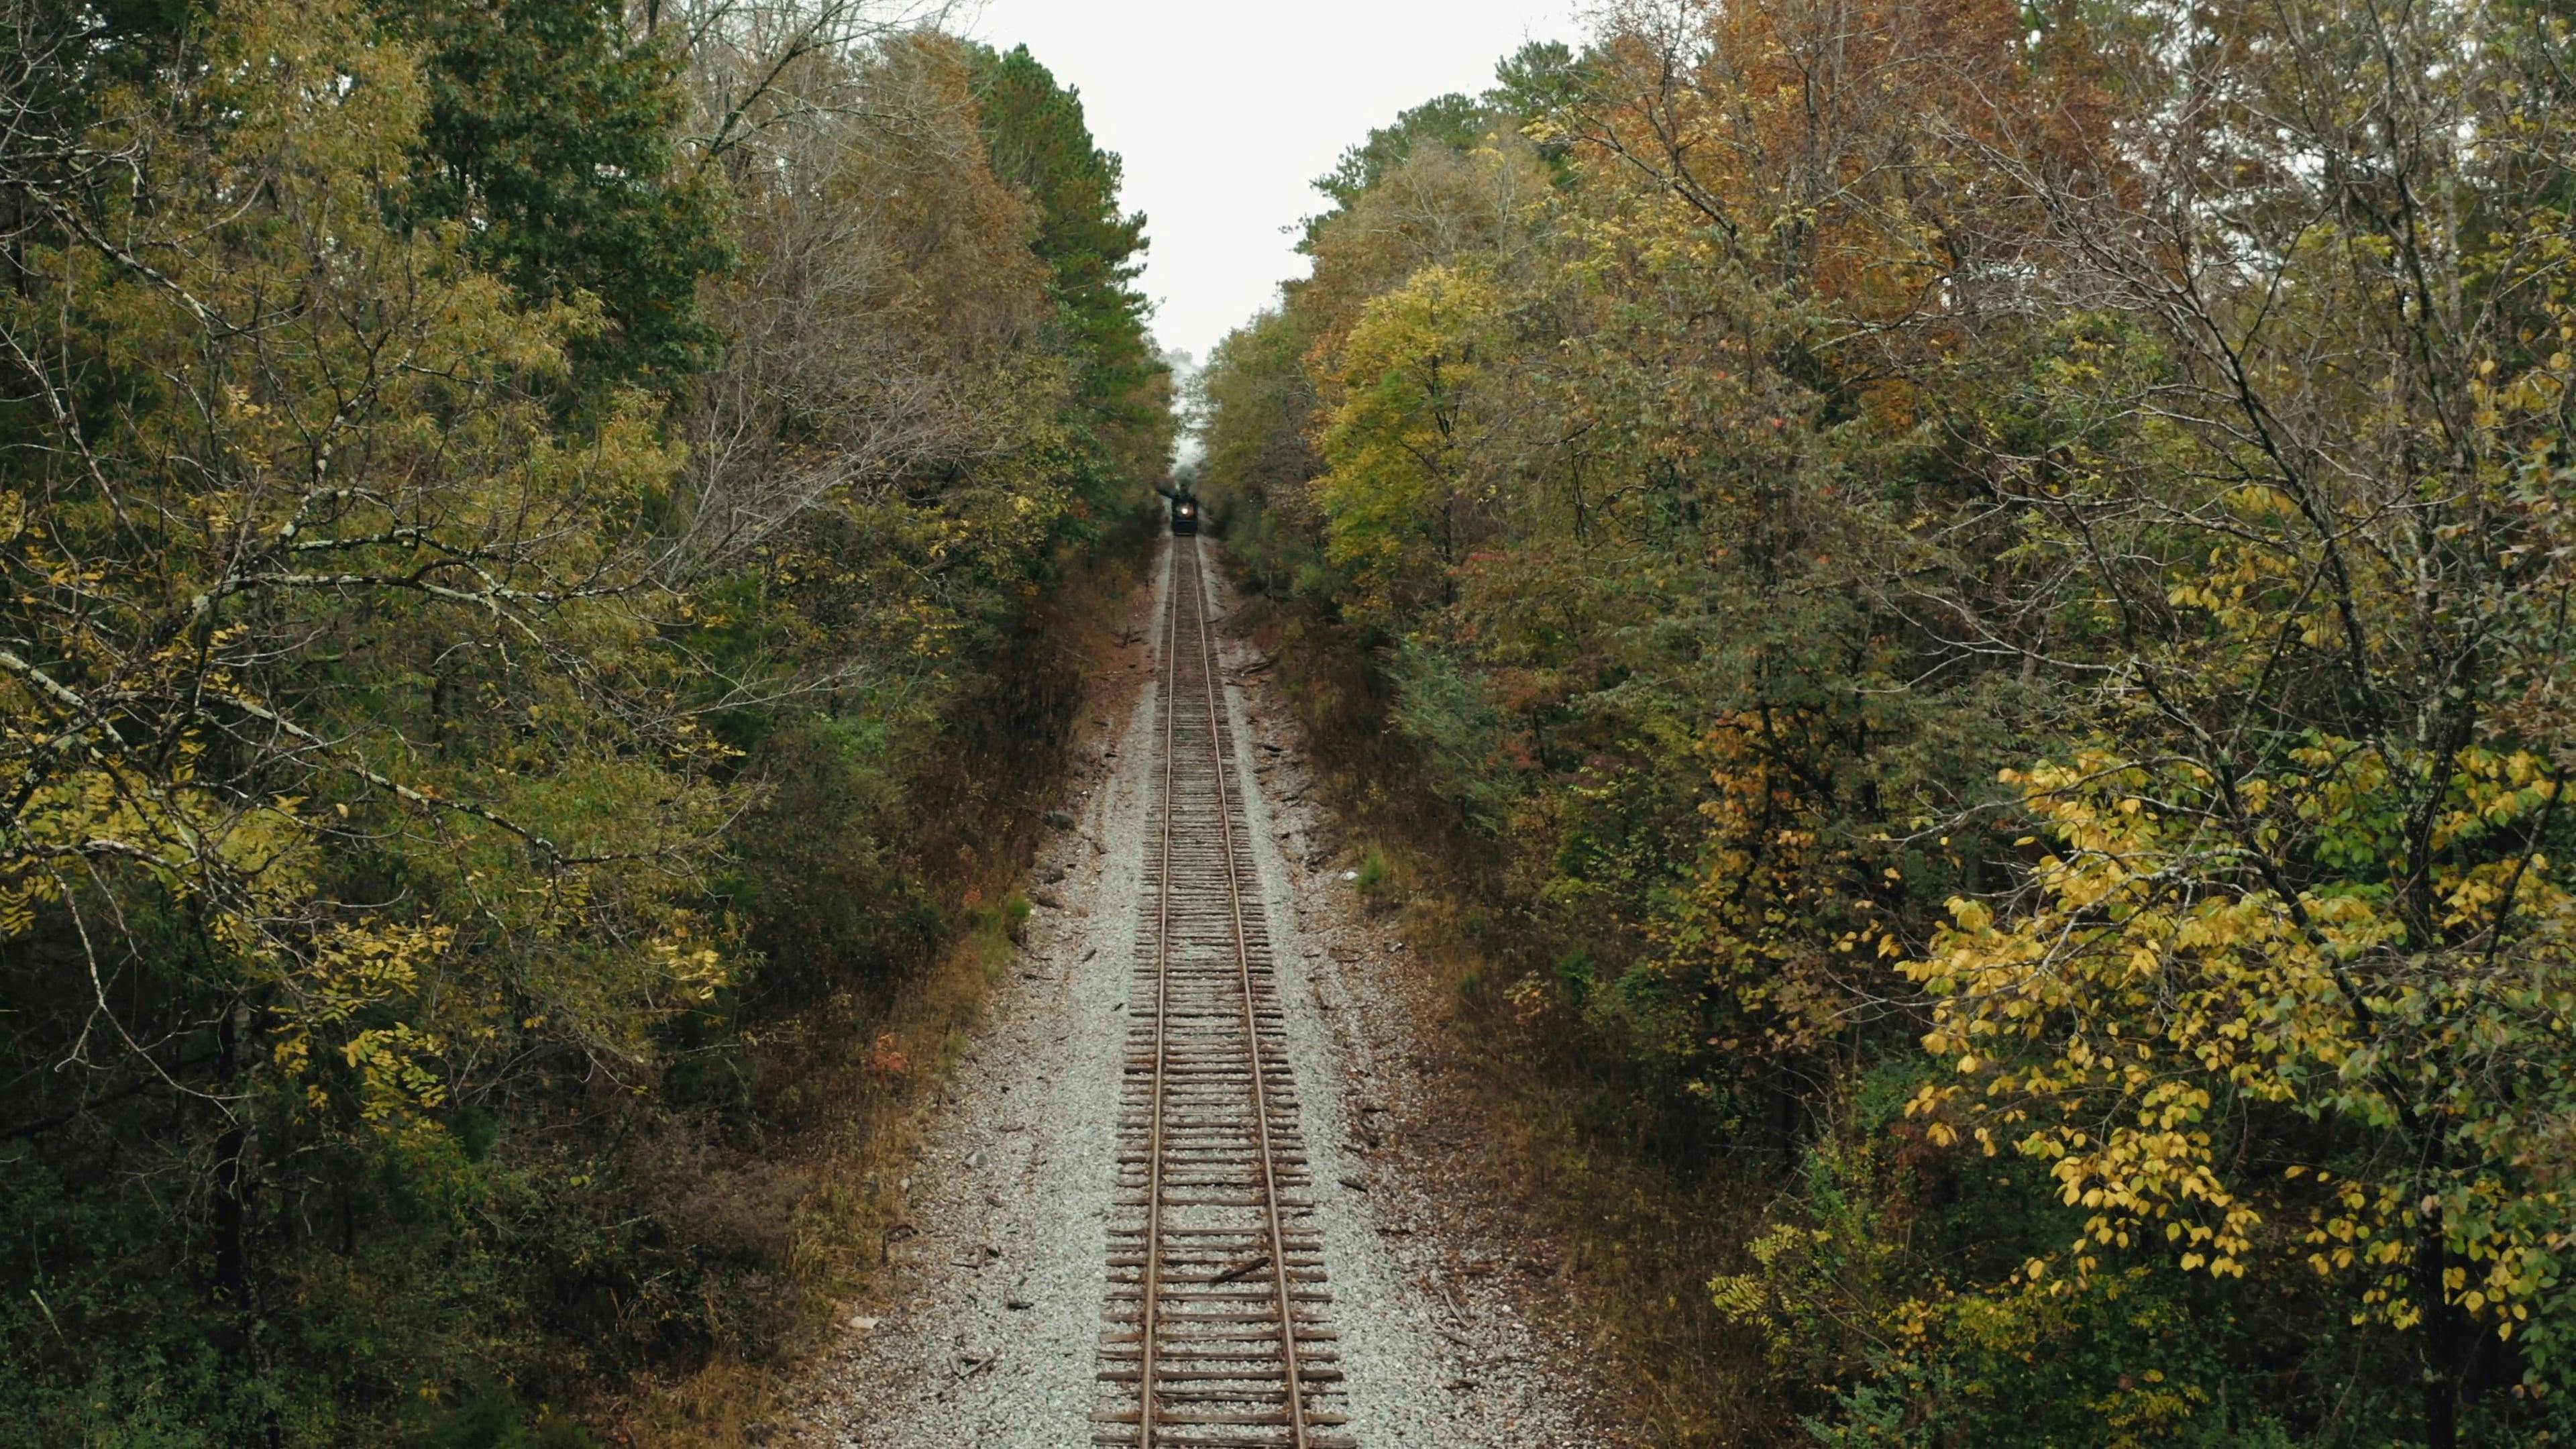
(985, 1335)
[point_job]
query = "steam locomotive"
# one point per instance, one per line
(1185, 509)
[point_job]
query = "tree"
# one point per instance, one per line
(1041, 146)
(433, 554)
(2300, 866)
(348, 793)
(552, 136)
(2033, 534)
(1399, 499)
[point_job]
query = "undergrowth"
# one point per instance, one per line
(850, 1076)
(1644, 1224)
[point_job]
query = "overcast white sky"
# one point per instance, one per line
(1225, 110)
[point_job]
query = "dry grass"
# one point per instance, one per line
(1638, 1242)
(839, 1225)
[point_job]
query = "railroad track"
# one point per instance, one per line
(1214, 1333)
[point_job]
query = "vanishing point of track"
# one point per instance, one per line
(1214, 1335)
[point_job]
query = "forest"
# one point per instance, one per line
(528, 532)
(1961, 607)
(1951, 617)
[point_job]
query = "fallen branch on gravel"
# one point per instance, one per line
(1240, 1269)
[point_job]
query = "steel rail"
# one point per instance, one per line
(1216, 1200)
(1251, 1019)
(1153, 1270)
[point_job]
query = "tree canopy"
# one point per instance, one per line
(516, 520)
(1978, 596)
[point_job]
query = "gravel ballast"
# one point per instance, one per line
(985, 1333)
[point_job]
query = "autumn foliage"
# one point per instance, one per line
(1984, 590)
(518, 526)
